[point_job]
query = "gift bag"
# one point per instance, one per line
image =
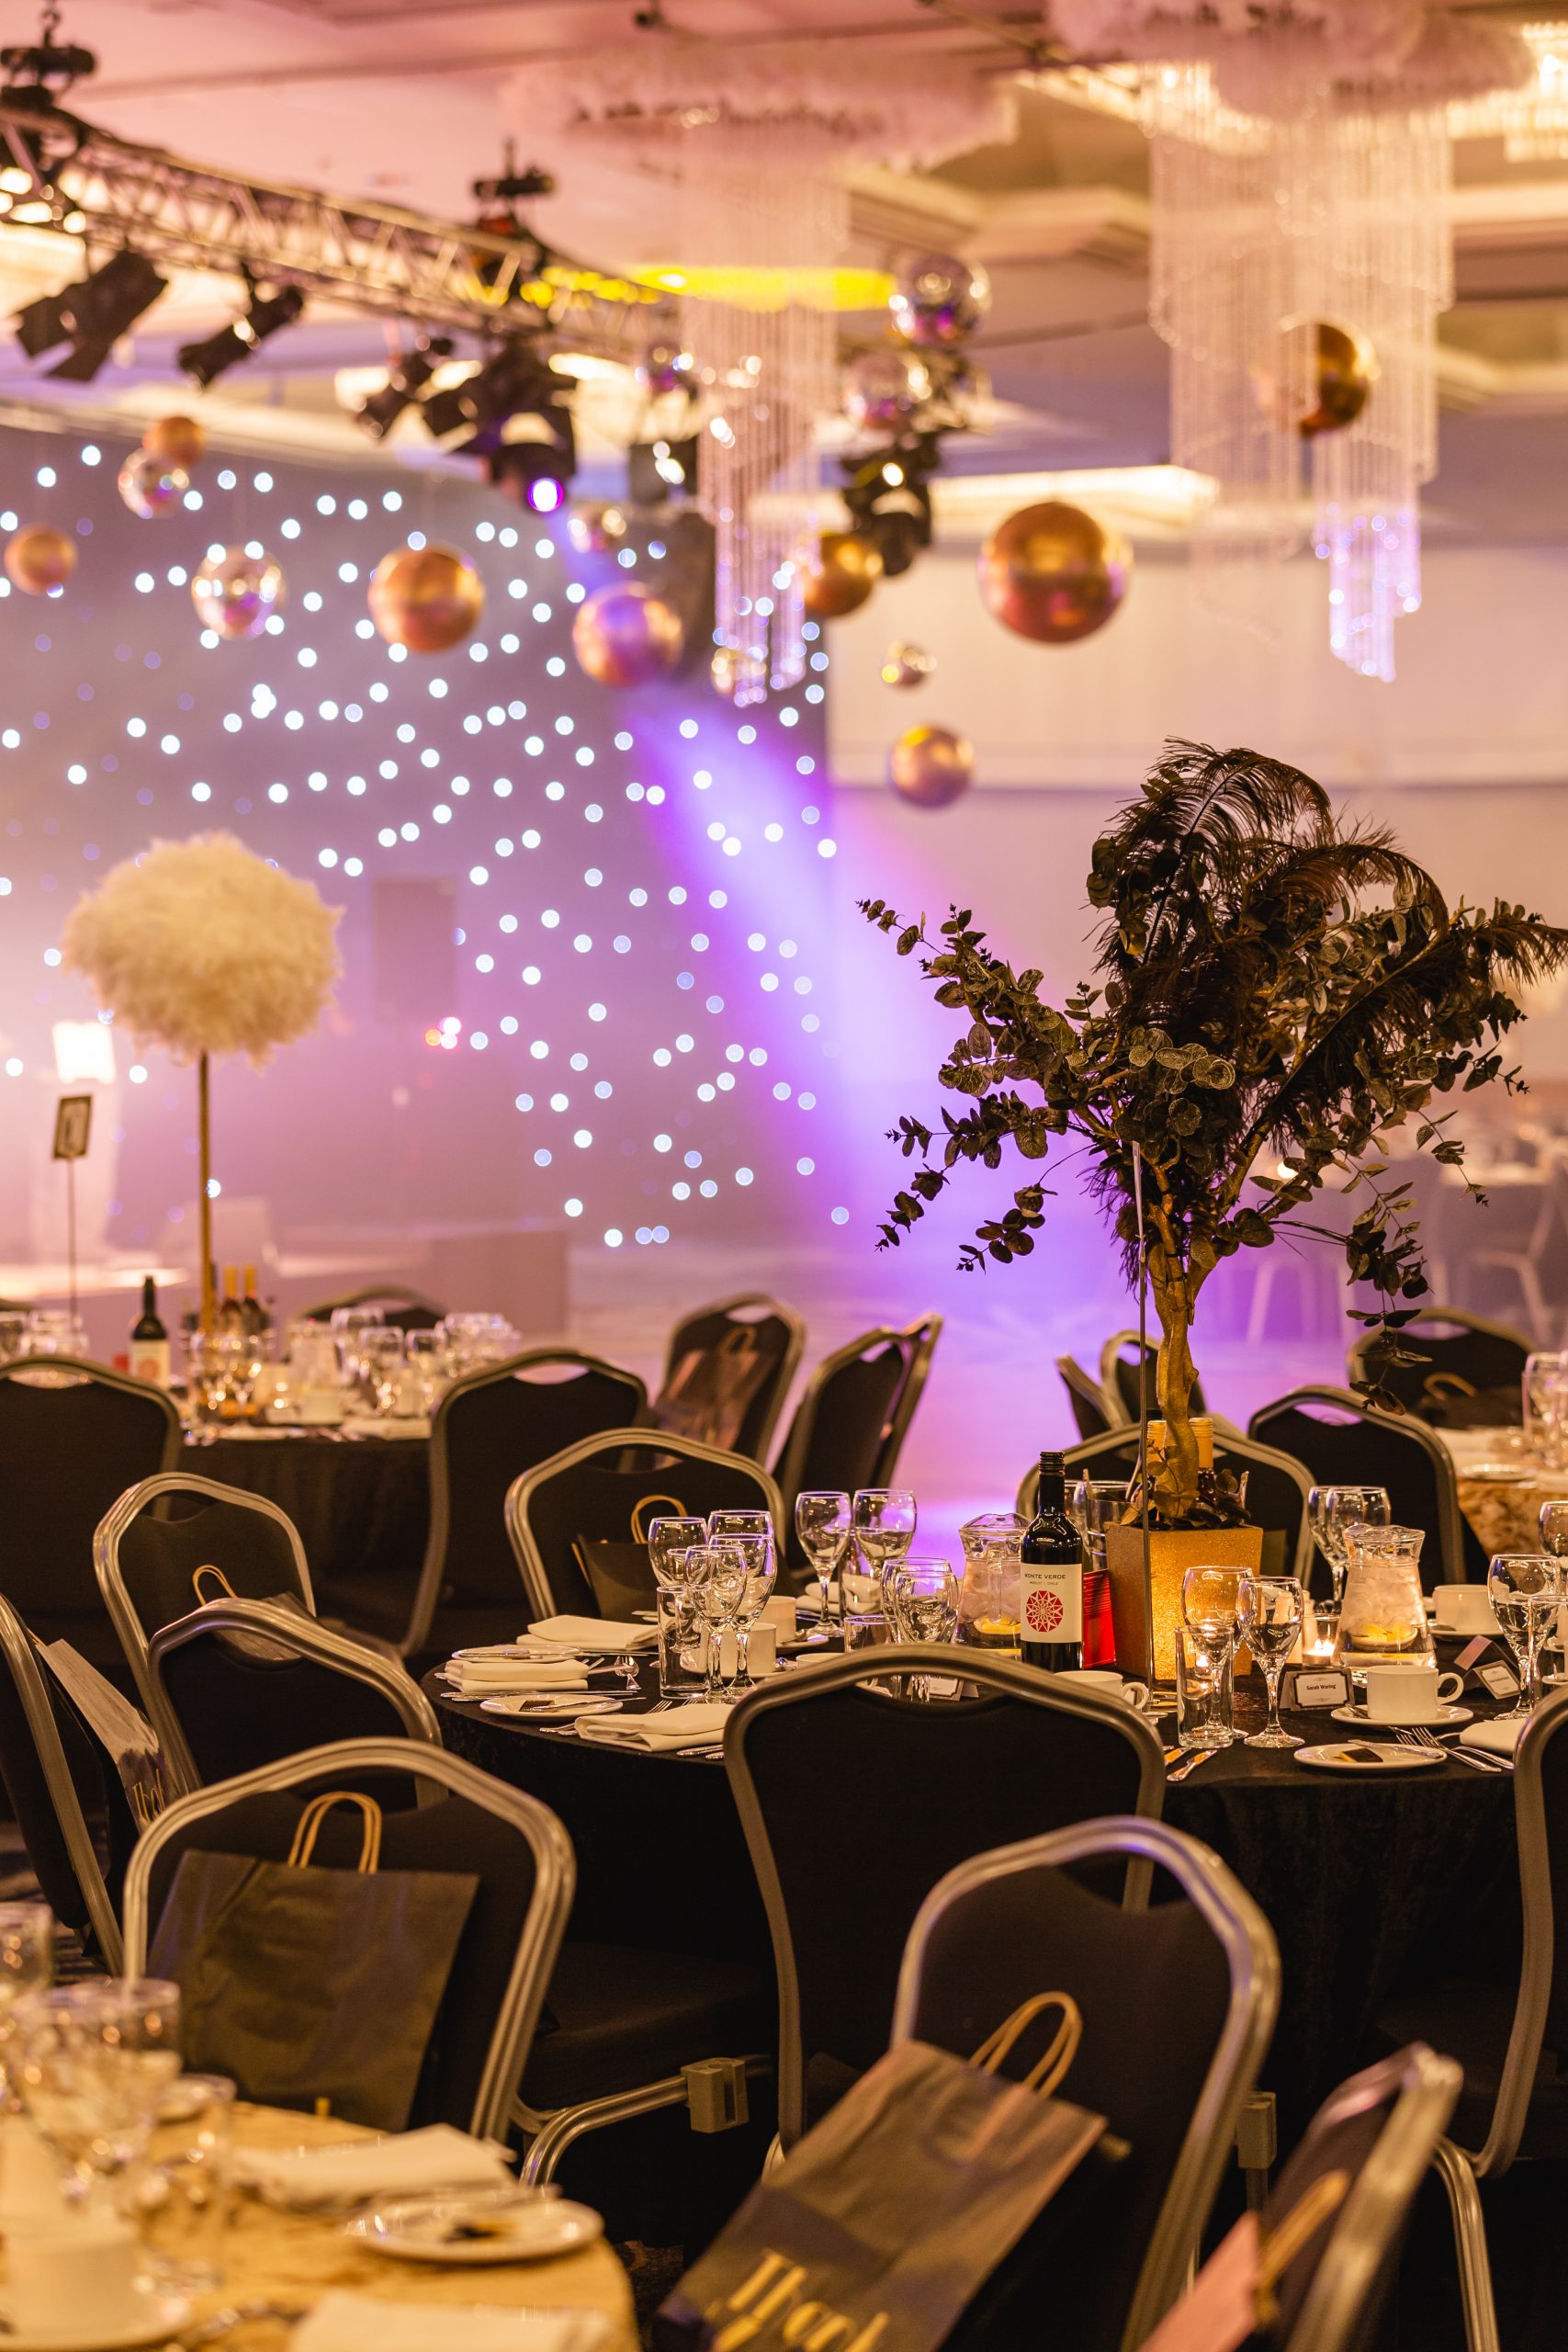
(916, 2213)
(620, 1575)
(313, 1983)
(710, 1389)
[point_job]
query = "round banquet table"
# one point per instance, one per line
(360, 1503)
(1361, 1880)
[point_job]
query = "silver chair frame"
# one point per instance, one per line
(1450, 1539)
(530, 1560)
(428, 1590)
(925, 1331)
(1461, 1316)
(305, 1638)
(1366, 2225)
(104, 1376)
(794, 1348)
(1247, 1942)
(1227, 1441)
(994, 1677)
(27, 1675)
(396, 1293)
(111, 1531)
(555, 1881)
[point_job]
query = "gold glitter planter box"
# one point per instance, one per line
(1147, 1611)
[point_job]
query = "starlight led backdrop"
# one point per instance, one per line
(580, 926)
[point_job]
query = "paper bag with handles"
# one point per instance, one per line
(922, 2210)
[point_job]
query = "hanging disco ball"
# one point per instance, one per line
(938, 300)
(665, 367)
(1052, 574)
(931, 767)
(150, 485)
(884, 389)
(175, 440)
(426, 598)
(1338, 367)
(235, 593)
(594, 527)
(846, 570)
(907, 665)
(38, 557)
(628, 635)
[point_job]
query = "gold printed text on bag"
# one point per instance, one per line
(773, 2301)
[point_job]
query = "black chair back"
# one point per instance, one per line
(1461, 1355)
(1178, 2000)
(591, 1491)
(1118, 1379)
(512, 1844)
(65, 1794)
(402, 1310)
(1045, 1751)
(151, 1550)
(1090, 1406)
(240, 1684)
(487, 1430)
(923, 1334)
(837, 1436)
(73, 1436)
(1340, 1441)
(774, 1331)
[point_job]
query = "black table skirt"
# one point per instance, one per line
(361, 1505)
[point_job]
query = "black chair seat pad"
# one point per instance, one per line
(623, 2018)
(1470, 2020)
(367, 1602)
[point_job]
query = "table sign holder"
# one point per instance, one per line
(72, 1130)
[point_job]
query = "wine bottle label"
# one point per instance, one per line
(1052, 1599)
(150, 1362)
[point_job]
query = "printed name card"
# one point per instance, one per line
(1316, 1686)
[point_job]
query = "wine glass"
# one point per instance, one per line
(94, 2062)
(1332, 1510)
(922, 1603)
(1269, 1614)
(822, 1524)
(27, 1965)
(721, 1523)
(1544, 1380)
(669, 1545)
(719, 1573)
(1526, 1591)
(1552, 1519)
(1093, 1505)
(762, 1572)
(884, 1519)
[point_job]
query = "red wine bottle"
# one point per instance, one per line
(1051, 1592)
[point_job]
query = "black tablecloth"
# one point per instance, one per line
(361, 1505)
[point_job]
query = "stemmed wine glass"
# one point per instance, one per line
(1269, 1613)
(719, 1573)
(822, 1524)
(93, 2063)
(761, 1571)
(922, 1602)
(1211, 1607)
(1553, 1523)
(1545, 1387)
(668, 1542)
(1526, 1591)
(27, 1965)
(884, 1519)
(1333, 1510)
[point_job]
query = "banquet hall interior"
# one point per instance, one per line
(784, 1186)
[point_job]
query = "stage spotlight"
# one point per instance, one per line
(89, 315)
(518, 382)
(205, 362)
(534, 473)
(404, 384)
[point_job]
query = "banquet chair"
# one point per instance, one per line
(838, 1435)
(486, 1430)
(152, 1560)
(1380, 2132)
(1537, 1265)
(1091, 1408)
(1178, 1998)
(401, 1309)
(1277, 1488)
(773, 1332)
(923, 1333)
(1509, 2039)
(237, 1684)
(1045, 1751)
(513, 1845)
(73, 1437)
(591, 1490)
(72, 1813)
(1461, 1355)
(1118, 1379)
(1341, 1441)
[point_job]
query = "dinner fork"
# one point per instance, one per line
(1416, 1738)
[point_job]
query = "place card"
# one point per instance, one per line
(1310, 1687)
(1500, 1681)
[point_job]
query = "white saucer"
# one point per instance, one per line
(1355, 1755)
(161, 2317)
(526, 2228)
(1444, 1718)
(1498, 1474)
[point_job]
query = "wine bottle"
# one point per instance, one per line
(256, 1321)
(1051, 1582)
(230, 1314)
(150, 1339)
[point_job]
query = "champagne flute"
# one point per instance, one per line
(885, 1518)
(1269, 1613)
(1525, 1590)
(822, 1524)
(1331, 1510)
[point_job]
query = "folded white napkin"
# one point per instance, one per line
(403, 2162)
(595, 1633)
(695, 1725)
(1499, 1737)
(346, 2323)
(470, 1674)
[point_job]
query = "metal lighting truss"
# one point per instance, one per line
(371, 257)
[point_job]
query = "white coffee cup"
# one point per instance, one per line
(79, 2279)
(1464, 1609)
(1105, 1678)
(762, 1648)
(780, 1613)
(1406, 1694)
